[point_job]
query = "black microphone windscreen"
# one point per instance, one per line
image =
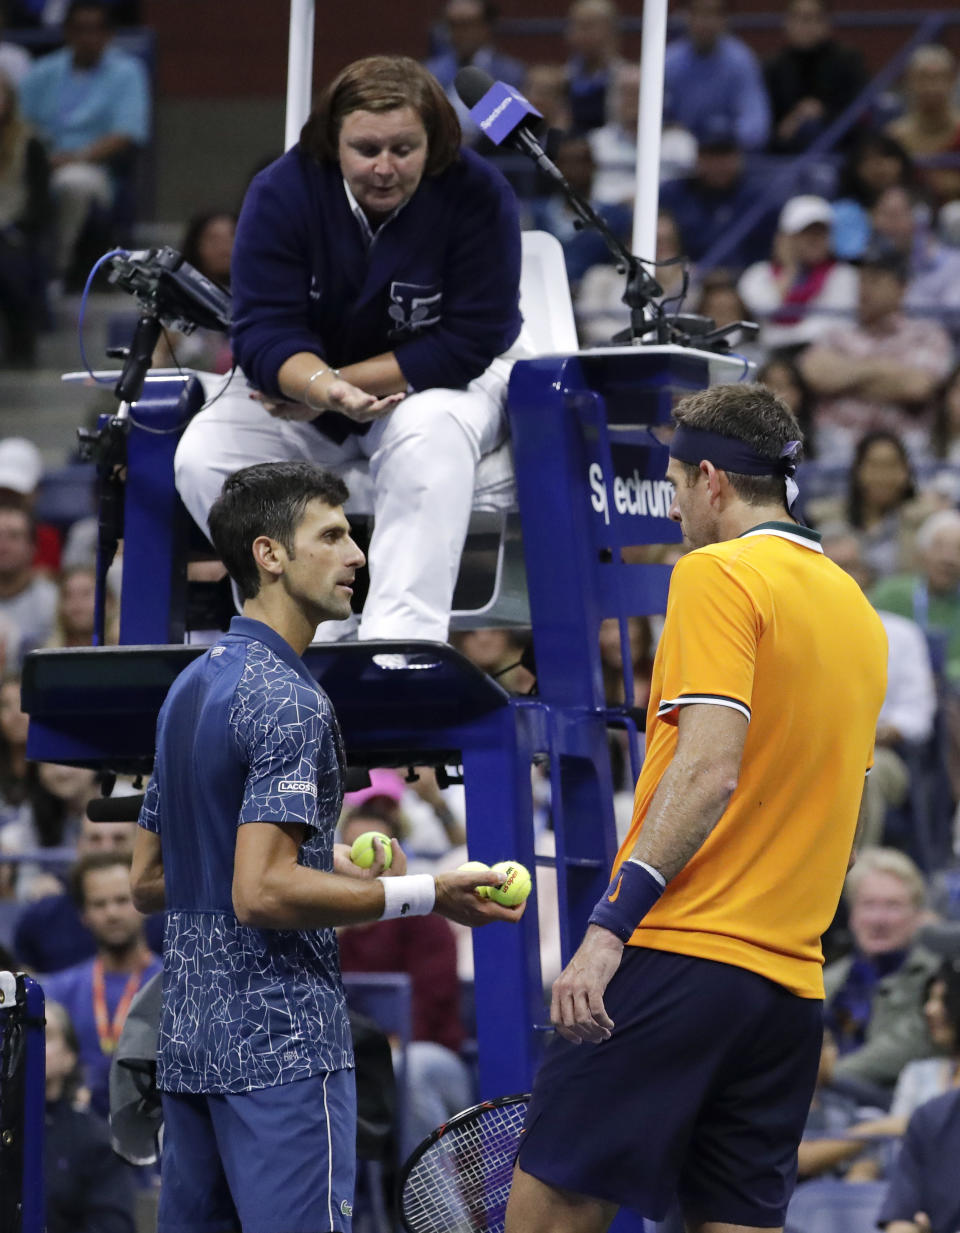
(471, 84)
(115, 808)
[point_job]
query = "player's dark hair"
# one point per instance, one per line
(269, 499)
(749, 413)
(93, 862)
(379, 84)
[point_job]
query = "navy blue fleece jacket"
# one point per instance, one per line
(439, 286)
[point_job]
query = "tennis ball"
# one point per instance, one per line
(363, 852)
(476, 867)
(515, 885)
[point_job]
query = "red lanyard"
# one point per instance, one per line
(107, 1031)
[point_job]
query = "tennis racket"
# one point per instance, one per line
(458, 1179)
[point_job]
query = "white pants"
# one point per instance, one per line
(77, 188)
(422, 458)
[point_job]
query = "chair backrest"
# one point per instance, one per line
(545, 295)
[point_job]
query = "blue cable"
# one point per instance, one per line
(735, 355)
(114, 252)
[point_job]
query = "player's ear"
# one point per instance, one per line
(716, 480)
(269, 554)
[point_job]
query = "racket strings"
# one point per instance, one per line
(461, 1182)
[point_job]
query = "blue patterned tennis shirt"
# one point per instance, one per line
(245, 735)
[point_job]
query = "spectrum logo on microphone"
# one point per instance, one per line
(501, 111)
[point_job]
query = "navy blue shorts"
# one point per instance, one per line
(701, 1093)
(274, 1160)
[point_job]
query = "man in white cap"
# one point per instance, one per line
(802, 292)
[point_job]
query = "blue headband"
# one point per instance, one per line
(693, 445)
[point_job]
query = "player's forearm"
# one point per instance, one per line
(149, 895)
(301, 898)
(687, 804)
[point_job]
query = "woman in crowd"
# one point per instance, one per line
(24, 217)
(376, 282)
(881, 504)
(877, 162)
(207, 245)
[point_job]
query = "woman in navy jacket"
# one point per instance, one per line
(375, 282)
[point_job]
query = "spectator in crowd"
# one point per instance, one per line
(546, 89)
(614, 145)
(923, 1196)
(87, 1187)
(781, 375)
(21, 470)
(24, 221)
(97, 992)
(593, 38)
(468, 27)
(582, 247)
(928, 1077)
(15, 61)
(930, 124)
(425, 307)
(931, 595)
(717, 194)
(208, 246)
(827, 1145)
(812, 80)
(501, 653)
(49, 817)
(641, 660)
(27, 598)
(881, 504)
(946, 428)
(426, 820)
(875, 163)
(804, 292)
(75, 620)
(90, 103)
(709, 74)
(873, 1000)
(50, 934)
(720, 301)
(901, 218)
(438, 1080)
(881, 372)
(909, 705)
(599, 305)
(13, 748)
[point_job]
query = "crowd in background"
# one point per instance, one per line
(851, 268)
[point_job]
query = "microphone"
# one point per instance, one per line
(115, 808)
(502, 114)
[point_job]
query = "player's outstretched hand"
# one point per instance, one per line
(343, 864)
(458, 900)
(576, 1007)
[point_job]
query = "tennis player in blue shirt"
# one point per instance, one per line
(236, 842)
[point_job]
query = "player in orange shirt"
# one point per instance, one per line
(690, 1018)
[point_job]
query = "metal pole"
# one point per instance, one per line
(649, 123)
(299, 69)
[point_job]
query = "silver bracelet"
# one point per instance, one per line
(310, 380)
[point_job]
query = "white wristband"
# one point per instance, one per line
(413, 894)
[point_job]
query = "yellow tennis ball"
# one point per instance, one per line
(476, 867)
(363, 852)
(515, 886)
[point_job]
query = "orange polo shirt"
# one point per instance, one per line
(768, 625)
